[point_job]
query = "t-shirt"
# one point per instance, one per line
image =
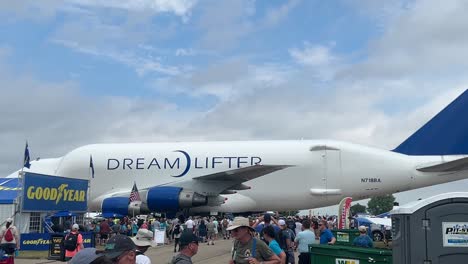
(14, 232)
(189, 223)
(242, 252)
(274, 246)
(363, 241)
(78, 248)
(181, 259)
(283, 235)
(326, 236)
(210, 226)
(298, 227)
(305, 238)
(142, 259)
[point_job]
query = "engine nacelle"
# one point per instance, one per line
(115, 205)
(167, 198)
(156, 199)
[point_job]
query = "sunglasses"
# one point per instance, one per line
(320, 224)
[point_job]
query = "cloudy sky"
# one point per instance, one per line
(76, 72)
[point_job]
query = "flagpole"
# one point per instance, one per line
(91, 175)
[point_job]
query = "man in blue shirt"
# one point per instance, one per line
(303, 240)
(363, 240)
(326, 236)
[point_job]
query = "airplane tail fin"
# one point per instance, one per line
(444, 134)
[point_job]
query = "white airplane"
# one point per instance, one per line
(245, 176)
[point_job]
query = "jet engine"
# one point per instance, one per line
(155, 199)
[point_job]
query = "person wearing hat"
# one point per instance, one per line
(247, 248)
(143, 240)
(188, 244)
(286, 241)
(9, 237)
(121, 250)
(73, 242)
(363, 240)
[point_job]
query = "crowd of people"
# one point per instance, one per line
(260, 239)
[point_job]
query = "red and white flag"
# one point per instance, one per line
(134, 195)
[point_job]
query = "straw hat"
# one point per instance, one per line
(239, 222)
(144, 238)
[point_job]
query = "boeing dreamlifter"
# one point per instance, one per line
(241, 176)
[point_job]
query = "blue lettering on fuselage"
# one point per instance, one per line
(184, 163)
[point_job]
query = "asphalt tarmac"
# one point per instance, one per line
(218, 253)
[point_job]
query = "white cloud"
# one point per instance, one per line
(312, 55)
(184, 52)
(178, 7)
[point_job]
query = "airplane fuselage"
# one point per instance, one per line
(321, 172)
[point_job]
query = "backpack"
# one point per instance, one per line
(71, 241)
(8, 235)
(177, 230)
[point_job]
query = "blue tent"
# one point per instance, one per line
(384, 215)
(9, 188)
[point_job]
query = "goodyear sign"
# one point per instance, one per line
(43, 241)
(46, 193)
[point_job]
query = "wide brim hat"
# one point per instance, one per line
(144, 238)
(240, 222)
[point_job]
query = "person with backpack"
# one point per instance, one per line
(73, 242)
(9, 237)
(247, 248)
(176, 233)
(286, 241)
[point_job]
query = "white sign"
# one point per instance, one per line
(346, 261)
(455, 234)
(159, 236)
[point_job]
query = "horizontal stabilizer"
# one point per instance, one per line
(451, 166)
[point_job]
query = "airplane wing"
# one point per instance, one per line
(451, 166)
(227, 182)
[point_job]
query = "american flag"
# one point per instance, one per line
(134, 195)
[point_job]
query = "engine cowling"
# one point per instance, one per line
(115, 205)
(167, 198)
(156, 199)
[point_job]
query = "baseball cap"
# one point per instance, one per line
(117, 245)
(281, 222)
(362, 229)
(144, 238)
(85, 256)
(75, 227)
(187, 238)
(9, 220)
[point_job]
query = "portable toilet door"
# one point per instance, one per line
(446, 228)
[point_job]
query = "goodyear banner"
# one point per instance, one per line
(41, 241)
(47, 193)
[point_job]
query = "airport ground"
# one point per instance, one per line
(218, 253)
